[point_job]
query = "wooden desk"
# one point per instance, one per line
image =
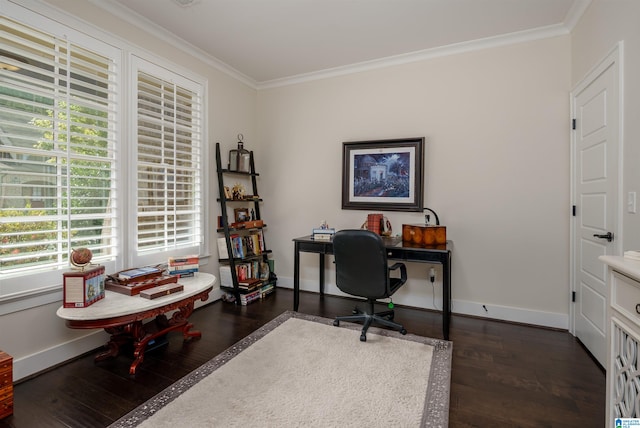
(396, 250)
(122, 316)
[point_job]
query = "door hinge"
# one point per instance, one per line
(573, 124)
(573, 210)
(573, 296)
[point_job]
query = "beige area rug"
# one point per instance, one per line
(300, 370)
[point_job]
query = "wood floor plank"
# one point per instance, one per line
(502, 374)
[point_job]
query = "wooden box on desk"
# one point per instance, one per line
(82, 288)
(424, 235)
(135, 287)
(163, 290)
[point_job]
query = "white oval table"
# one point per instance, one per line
(123, 316)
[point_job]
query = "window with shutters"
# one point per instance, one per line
(84, 163)
(58, 153)
(169, 159)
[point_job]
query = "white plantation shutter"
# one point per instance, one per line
(169, 162)
(58, 104)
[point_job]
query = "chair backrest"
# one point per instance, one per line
(361, 263)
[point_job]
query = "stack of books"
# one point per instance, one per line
(320, 234)
(183, 266)
(249, 284)
(253, 283)
(257, 294)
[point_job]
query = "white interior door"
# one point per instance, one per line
(595, 182)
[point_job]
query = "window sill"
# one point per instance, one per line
(23, 301)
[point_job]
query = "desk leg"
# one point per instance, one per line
(446, 294)
(322, 259)
(296, 276)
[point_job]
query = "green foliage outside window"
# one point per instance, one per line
(26, 238)
(86, 195)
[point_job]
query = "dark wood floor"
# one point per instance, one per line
(503, 374)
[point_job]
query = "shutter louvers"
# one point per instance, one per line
(169, 165)
(57, 150)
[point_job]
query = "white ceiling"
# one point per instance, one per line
(269, 41)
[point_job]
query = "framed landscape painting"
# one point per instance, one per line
(383, 175)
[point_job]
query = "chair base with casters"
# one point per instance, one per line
(371, 318)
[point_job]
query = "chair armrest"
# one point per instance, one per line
(403, 270)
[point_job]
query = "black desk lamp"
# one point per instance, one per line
(426, 216)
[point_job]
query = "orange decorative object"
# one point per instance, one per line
(423, 235)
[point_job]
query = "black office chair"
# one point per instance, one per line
(362, 270)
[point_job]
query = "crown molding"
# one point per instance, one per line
(578, 8)
(423, 55)
(573, 15)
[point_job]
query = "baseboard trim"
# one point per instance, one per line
(512, 314)
(33, 364)
(462, 307)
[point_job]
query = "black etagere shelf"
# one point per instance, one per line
(243, 294)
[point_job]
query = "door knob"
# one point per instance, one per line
(608, 236)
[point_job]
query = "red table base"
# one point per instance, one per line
(131, 328)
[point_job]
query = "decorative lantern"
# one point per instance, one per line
(240, 158)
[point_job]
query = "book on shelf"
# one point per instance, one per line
(249, 289)
(249, 245)
(223, 253)
(237, 246)
(258, 294)
(249, 283)
(242, 272)
(225, 276)
(249, 275)
(250, 297)
(267, 288)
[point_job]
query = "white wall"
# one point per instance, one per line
(37, 338)
(604, 24)
(496, 122)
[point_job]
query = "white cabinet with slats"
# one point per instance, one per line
(623, 358)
